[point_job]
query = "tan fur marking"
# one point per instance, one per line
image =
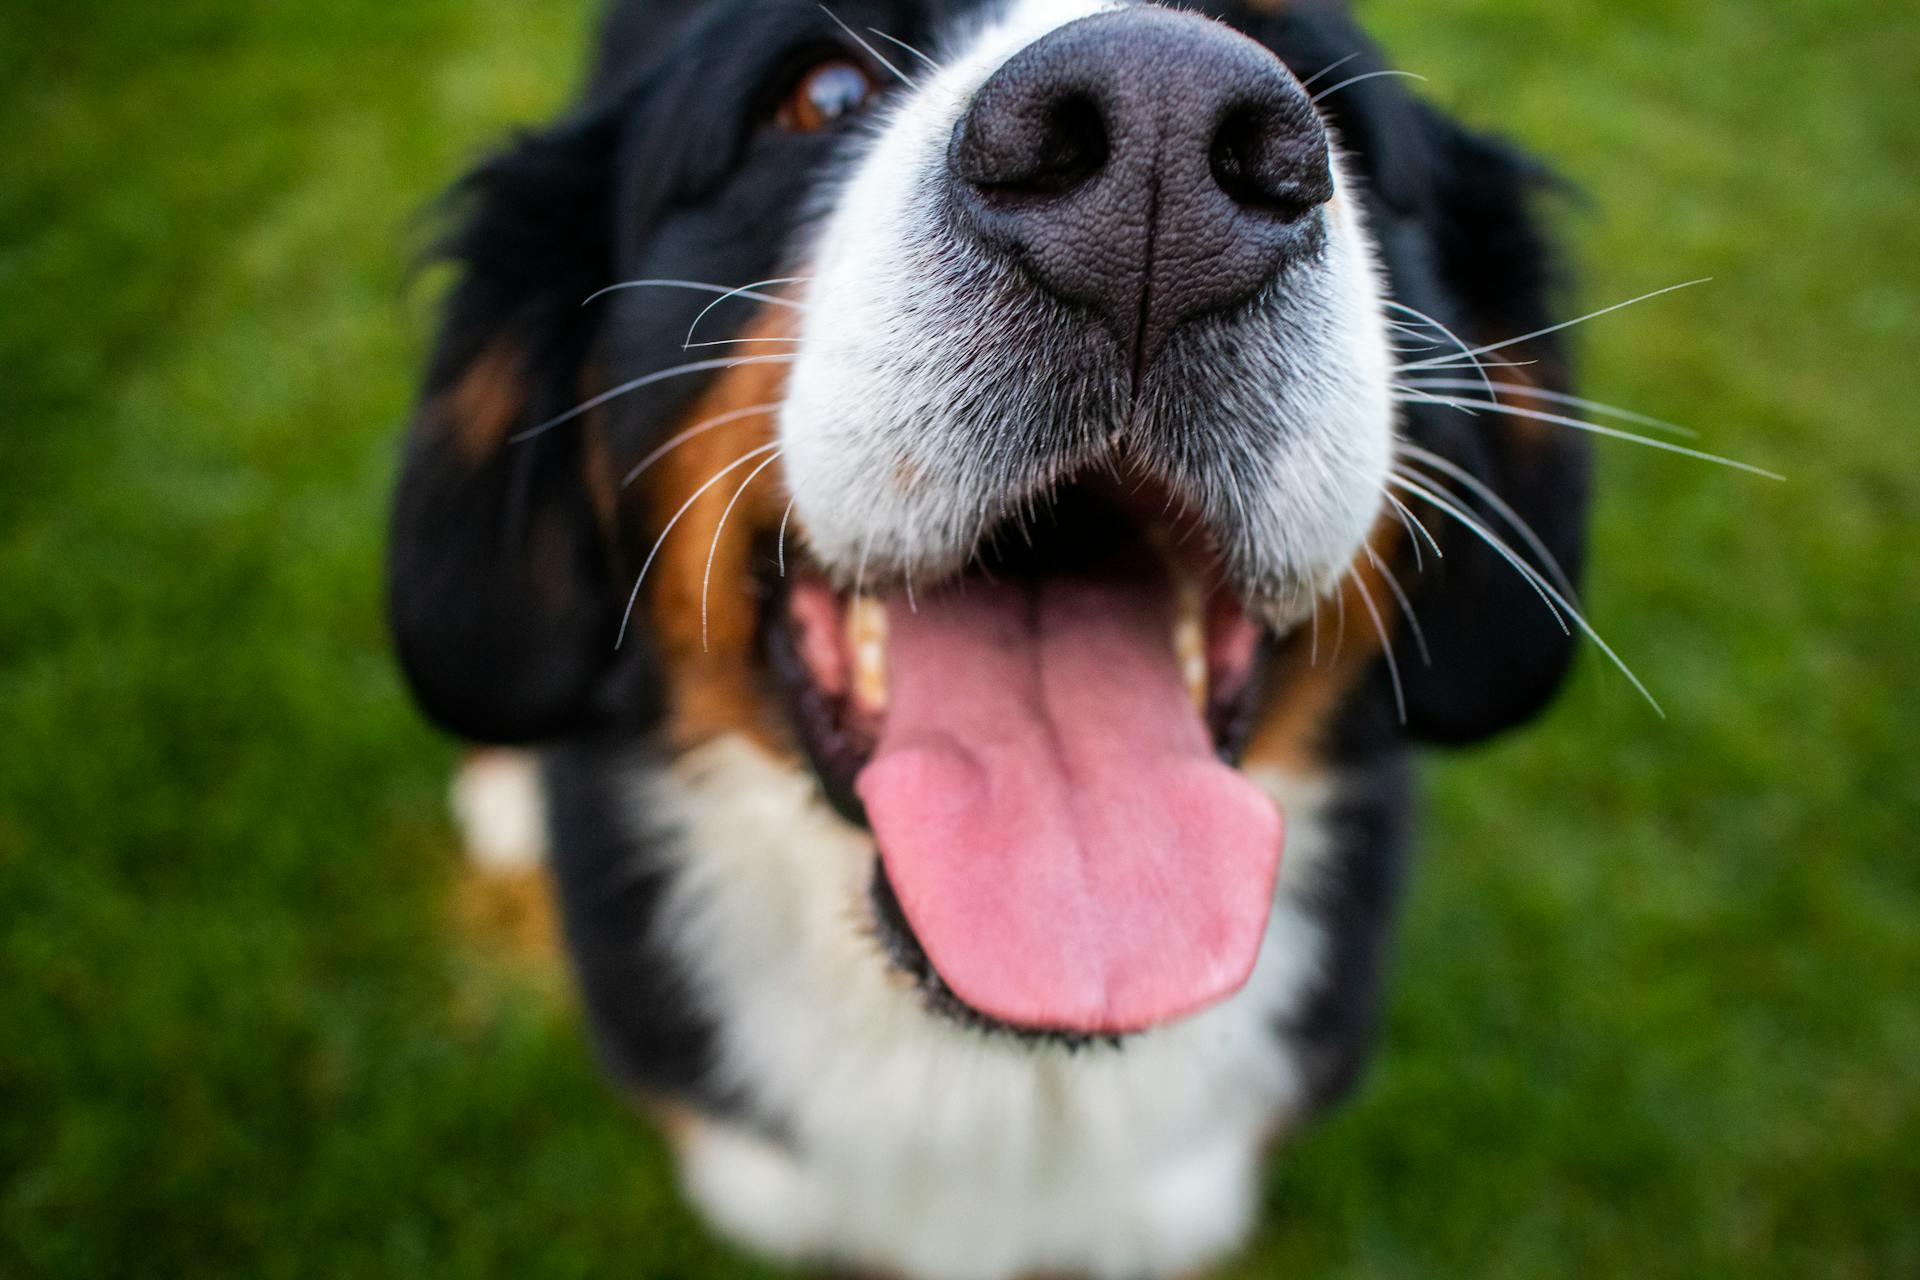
(485, 404)
(1305, 693)
(1529, 368)
(717, 685)
(1524, 430)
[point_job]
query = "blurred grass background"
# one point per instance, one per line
(1657, 1010)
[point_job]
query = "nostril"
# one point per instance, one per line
(1073, 147)
(1233, 160)
(1041, 154)
(1267, 162)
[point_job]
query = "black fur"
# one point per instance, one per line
(499, 587)
(505, 591)
(645, 1015)
(1498, 656)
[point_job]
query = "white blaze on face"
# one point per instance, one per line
(907, 388)
(874, 394)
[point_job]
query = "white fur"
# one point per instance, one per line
(934, 1150)
(877, 364)
(911, 389)
(501, 810)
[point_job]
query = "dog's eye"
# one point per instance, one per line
(823, 94)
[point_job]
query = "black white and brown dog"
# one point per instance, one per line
(975, 584)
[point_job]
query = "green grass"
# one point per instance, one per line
(1657, 1009)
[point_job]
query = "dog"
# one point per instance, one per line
(973, 507)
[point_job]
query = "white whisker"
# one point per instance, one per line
(1401, 514)
(1450, 336)
(1455, 362)
(873, 52)
(1555, 397)
(700, 285)
(1435, 493)
(1329, 69)
(1406, 605)
(1578, 424)
(1410, 522)
(627, 616)
(1540, 584)
(751, 291)
(1353, 80)
(736, 342)
(1500, 507)
(896, 40)
(780, 543)
(660, 375)
(1386, 646)
(1408, 394)
(713, 548)
(1565, 324)
(698, 429)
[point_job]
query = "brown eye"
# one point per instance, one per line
(828, 91)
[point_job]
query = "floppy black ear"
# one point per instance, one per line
(499, 593)
(1498, 654)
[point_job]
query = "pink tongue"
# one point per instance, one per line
(1068, 850)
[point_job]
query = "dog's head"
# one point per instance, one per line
(1002, 418)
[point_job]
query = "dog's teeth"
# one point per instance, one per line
(1189, 619)
(1190, 638)
(867, 638)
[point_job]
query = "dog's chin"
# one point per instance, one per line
(1044, 748)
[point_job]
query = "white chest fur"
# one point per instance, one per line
(930, 1149)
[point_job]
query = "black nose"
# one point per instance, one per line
(1150, 165)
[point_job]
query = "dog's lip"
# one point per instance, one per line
(896, 937)
(815, 686)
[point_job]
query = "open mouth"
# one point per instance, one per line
(1042, 748)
